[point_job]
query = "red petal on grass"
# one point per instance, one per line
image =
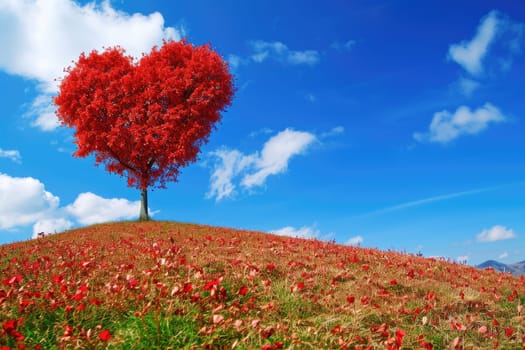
(105, 335)
(509, 332)
(243, 290)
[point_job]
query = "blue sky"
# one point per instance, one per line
(396, 125)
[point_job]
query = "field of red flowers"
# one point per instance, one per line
(165, 285)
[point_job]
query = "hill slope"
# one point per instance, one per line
(161, 285)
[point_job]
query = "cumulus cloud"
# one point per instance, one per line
(468, 86)
(303, 232)
(343, 46)
(356, 241)
(23, 201)
(469, 54)
(50, 226)
(254, 169)
(447, 126)
(229, 165)
(235, 61)
(13, 155)
(276, 154)
(43, 113)
(496, 233)
(491, 50)
(277, 51)
(40, 38)
(335, 131)
(88, 209)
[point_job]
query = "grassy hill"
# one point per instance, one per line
(162, 285)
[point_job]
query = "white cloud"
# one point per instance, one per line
(469, 54)
(310, 57)
(40, 38)
(230, 164)
(334, 132)
(344, 46)
(503, 255)
(44, 112)
(235, 61)
(276, 154)
(357, 240)
(23, 201)
(263, 131)
(88, 208)
(310, 97)
(495, 28)
(462, 259)
(303, 232)
(447, 126)
(254, 169)
(280, 52)
(468, 86)
(496, 233)
(50, 226)
(13, 155)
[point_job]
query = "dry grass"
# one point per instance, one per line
(161, 285)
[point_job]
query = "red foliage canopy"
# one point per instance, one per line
(145, 119)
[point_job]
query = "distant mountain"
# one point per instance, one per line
(517, 269)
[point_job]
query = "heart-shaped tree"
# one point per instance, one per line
(145, 119)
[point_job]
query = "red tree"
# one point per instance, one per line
(145, 119)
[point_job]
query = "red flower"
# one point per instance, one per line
(211, 284)
(9, 326)
(299, 286)
(243, 290)
(187, 287)
(12, 280)
(425, 345)
(132, 283)
(509, 332)
(195, 297)
(336, 329)
(380, 329)
(68, 331)
(105, 335)
(400, 334)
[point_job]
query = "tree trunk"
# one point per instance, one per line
(144, 216)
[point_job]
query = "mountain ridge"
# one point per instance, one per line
(517, 269)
